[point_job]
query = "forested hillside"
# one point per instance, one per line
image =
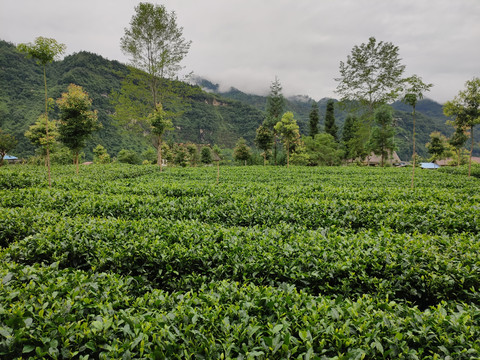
(429, 116)
(209, 115)
(207, 118)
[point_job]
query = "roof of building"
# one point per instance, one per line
(429, 166)
(377, 159)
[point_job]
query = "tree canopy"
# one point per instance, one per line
(465, 108)
(287, 127)
(7, 143)
(371, 75)
(77, 121)
(155, 44)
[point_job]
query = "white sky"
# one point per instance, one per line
(246, 43)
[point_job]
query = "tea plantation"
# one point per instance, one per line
(126, 262)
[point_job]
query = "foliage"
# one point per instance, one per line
(37, 133)
(382, 141)
(7, 143)
(371, 74)
(322, 150)
(264, 141)
(336, 262)
(348, 135)
(274, 109)
(242, 151)
(159, 123)
(314, 118)
(77, 121)
(330, 127)
(439, 147)
(128, 157)
(413, 93)
(101, 155)
(275, 104)
(206, 155)
(44, 50)
(465, 107)
(287, 128)
(155, 44)
(235, 115)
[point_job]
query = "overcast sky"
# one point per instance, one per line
(246, 43)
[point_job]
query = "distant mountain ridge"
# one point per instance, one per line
(429, 115)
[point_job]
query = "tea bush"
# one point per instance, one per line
(271, 263)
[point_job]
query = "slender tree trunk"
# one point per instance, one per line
(413, 154)
(46, 127)
(218, 171)
(159, 153)
(264, 158)
(471, 151)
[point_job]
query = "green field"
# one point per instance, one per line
(126, 262)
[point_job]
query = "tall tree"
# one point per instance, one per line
(7, 143)
(348, 133)
(77, 120)
(371, 75)
(314, 118)
(274, 109)
(241, 152)
(160, 123)
(288, 129)
(44, 50)
(465, 107)
(330, 127)
(264, 141)
(414, 91)
(382, 134)
(155, 44)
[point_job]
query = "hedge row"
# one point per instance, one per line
(181, 255)
(46, 312)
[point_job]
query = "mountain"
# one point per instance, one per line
(208, 118)
(429, 116)
(211, 115)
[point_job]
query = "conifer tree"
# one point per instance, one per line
(274, 109)
(349, 129)
(330, 127)
(314, 118)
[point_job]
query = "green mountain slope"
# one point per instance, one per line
(209, 118)
(429, 116)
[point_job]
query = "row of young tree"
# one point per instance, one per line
(370, 79)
